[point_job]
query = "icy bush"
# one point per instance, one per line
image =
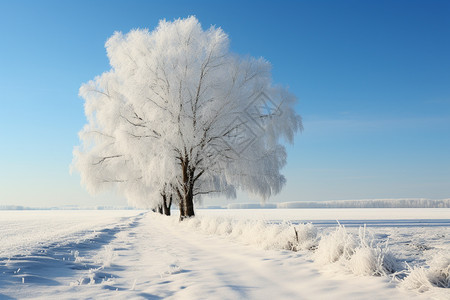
(429, 278)
(360, 256)
(259, 233)
(356, 253)
(333, 247)
(371, 260)
(306, 237)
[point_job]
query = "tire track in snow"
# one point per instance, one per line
(54, 267)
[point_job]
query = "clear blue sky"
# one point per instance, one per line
(373, 79)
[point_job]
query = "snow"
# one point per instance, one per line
(331, 215)
(223, 254)
(23, 232)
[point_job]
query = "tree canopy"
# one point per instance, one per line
(179, 114)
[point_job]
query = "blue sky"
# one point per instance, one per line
(372, 77)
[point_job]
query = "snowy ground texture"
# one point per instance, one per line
(226, 254)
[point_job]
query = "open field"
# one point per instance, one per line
(221, 254)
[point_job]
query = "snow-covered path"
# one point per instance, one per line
(148, 257)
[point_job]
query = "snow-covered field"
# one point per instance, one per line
(226, 254)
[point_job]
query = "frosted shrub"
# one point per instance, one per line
(258, 233)
(431, 278)
(224, 227)
(279, 236)
(275, 236)
(209, 225)
(306, 236)
(254, 233)
(335, 246)
(371, 260)
(364, 261)
(440, 276)
(417, 280)
(237, 229)
(361, 257)
(356, 253)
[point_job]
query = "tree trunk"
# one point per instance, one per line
(180, 203)
(167, 203)
(160, 209)
(189, 202)
(188, 190)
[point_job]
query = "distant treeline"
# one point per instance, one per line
(68, 207)
(365, 203)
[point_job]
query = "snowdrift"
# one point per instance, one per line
(360, 254)
(259, 233)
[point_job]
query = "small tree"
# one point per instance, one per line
(186, 113)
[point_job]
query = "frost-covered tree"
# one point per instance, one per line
(102, 167)
(179, 110)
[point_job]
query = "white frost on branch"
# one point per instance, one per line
(178, 108)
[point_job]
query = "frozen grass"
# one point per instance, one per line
(433, 278)
(336, 246)
(360, 253)
(151, 256)
(261, 234)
